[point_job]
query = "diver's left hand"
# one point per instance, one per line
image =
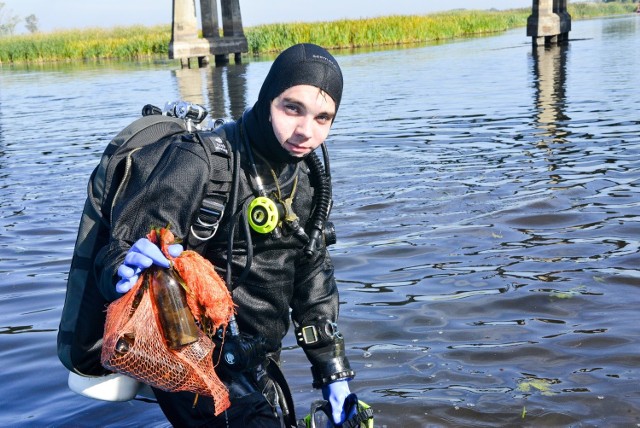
(335, 393)
(140, 256)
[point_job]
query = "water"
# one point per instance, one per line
(487, 200)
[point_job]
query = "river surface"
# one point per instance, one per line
(487, 204)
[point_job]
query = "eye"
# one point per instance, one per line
(323, 119)
(293, 108)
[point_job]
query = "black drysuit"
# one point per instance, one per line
(280, 277)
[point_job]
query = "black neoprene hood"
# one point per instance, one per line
(302, 64)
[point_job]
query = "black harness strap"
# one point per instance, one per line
(284, 393)
(219, 186)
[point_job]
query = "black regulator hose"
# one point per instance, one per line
(322, 199)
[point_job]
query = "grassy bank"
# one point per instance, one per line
(143, 42)
(87, 44)
(395, 30)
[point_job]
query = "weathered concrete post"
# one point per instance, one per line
(232, 28)
(560, 9)
(210, 26)
(549, 22)
(186, 44)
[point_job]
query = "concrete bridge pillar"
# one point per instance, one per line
(186, 44)
(210, 26)
(549, 22)
(233, 40)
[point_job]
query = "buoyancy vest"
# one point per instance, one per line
(81, 327)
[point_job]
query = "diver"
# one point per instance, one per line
(270, 246)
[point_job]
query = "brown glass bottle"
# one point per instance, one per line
(177, 323)
(124, 344)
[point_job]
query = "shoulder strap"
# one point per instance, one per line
(218, 189)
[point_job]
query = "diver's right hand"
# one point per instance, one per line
(140, 256)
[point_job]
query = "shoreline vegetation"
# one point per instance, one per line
(139, 42)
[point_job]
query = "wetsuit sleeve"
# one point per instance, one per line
(169, 196)
(315, 315)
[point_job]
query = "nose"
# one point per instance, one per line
(304, 127)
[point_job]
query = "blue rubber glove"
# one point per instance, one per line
(335, 393)
(140, 256)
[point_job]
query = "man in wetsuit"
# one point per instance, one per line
(276, 276)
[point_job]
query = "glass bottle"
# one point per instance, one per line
(177, 322)
(124, 344)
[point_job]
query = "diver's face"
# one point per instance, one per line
(301, 117)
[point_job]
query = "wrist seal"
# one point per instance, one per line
(329, 363)
(324, 346)
(329, 371)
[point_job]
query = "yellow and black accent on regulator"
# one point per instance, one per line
(264, 214)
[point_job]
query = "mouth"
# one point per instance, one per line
(294, 149)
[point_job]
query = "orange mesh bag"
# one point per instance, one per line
(135, 344)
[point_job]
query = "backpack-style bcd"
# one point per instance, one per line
(84, 312)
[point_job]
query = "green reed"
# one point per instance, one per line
(88, 44)
(143, 42)
(390, 30)
(395, 30)
(593, 10)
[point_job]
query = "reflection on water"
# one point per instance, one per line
(486, 204)
(222, 89)
(549, 65)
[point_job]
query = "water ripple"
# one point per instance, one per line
(486, 201)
